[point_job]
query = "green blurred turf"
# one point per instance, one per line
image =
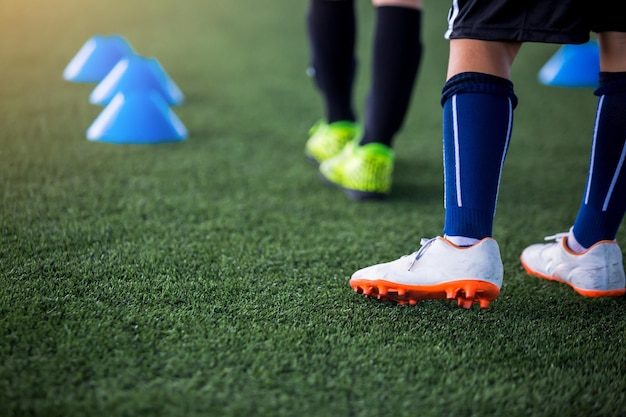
(209, 277)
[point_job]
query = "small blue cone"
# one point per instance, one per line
(136, 74)
(96, 58)
(137, 118)
(573, 66)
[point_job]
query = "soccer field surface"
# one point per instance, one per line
(209, 277)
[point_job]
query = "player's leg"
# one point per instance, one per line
(332, 37)
(365, 168)
(604, 203)
(396, 56)
(587, 257)
(478, 102)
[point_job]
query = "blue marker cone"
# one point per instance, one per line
(96, 58)
(137, 118)
(573, 66)
(136, 74)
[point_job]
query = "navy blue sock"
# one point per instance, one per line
(477, 123)
(332, 38)
(604, 202)
(397, 52)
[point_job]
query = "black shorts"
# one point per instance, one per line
(550, 21)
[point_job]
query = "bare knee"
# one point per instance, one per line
(612, 51)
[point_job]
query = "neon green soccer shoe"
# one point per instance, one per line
(363, 172)
(327, 140)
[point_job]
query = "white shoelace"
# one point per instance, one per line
(425, 242)
(557, 237)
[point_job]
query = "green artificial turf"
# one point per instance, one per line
(209, 277)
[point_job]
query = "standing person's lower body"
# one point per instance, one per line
(358, 157)
(478, 102)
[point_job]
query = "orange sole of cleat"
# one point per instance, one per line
(465, 292)
(585, 293)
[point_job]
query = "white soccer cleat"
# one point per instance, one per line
(596, 272)
(439, 270)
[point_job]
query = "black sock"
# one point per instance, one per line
(396, 58)
(332, 38)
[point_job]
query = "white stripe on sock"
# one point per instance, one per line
(593, 149)
(457, 157)
(618, 169)
(506, 149)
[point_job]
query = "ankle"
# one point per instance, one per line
(573, 244)
(462, 240)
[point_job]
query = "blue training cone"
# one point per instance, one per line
(137, 118)
(573, 66)
(96, 58)
(136, 74)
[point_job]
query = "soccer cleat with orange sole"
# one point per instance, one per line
(439, 270)
(466, 293)
(596, 272)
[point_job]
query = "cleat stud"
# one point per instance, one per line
(484, 303)
(465, 303)
(450, 294)
(412, 302)
(401, 292)
(382, 291)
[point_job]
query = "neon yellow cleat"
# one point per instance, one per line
(363, 172)
(328, 140)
